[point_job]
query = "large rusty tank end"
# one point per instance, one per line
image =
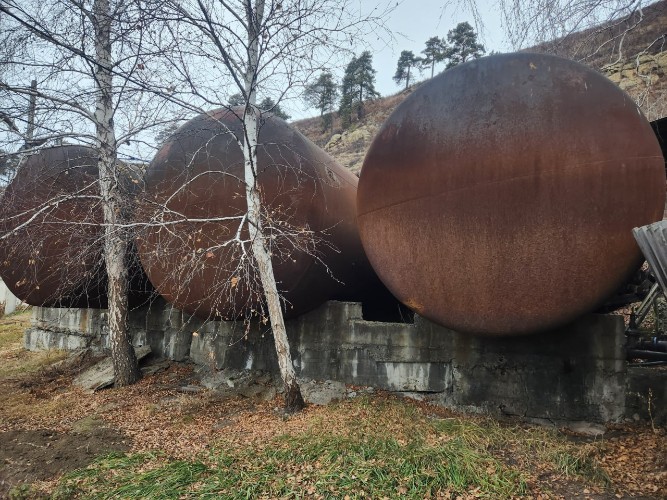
(51, 231)
(500, 197)
(51, 253)
(195, 246)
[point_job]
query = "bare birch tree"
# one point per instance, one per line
(275, 47)
(91, 62)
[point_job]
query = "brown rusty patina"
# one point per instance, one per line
(194, 208)
(51, 253)
(499, 198)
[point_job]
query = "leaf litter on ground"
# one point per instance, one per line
(204, 444)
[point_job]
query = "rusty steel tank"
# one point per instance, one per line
(51, 253)
(51, 232)
(194, 245)
(500, 196)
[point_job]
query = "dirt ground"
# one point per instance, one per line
(49, 427)
(32, 455)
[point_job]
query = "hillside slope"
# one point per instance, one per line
(349, 146)
(635, 59)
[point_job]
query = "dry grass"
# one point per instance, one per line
(375, 446)
(15, 361)
(11, 330)
(196, 445)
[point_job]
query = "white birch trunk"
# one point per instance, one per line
(293, 398)
(115, 238)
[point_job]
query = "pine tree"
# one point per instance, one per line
(348, 94)
(406, 62)
(436, 51)
(236, 100)
(358, 86)
(464, 46)
(322, 95)
(267, 104)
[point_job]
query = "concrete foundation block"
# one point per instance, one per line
(576, 373)
(35, 339)
(60, 328)
(647, 394)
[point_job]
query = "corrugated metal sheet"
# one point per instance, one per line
(652, 241)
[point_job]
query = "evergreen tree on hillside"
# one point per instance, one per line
(322, 95)
(464, 46)
(406, 62)
(236, 100)
(358, 86)
(348, 94)
(269, 105)
(436, 51)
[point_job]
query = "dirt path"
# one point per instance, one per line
(27, 456)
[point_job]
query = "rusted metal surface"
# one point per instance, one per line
(652, 241)
(51, 246)
(54, 258)
(194, 208)
(499, 198)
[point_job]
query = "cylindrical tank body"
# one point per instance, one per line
(499, 198)
(50, 253)
(194, 245)
(52, 236)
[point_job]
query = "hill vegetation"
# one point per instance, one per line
(631, 52)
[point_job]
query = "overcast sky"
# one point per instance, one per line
(413, 22)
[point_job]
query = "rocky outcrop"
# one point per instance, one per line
(350, 147)
(645, 79)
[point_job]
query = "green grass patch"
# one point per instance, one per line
(374, 466)
(581, 463)
(371, 448)
(11, 330)
(311, 462)
(140, 475)
(532, 443)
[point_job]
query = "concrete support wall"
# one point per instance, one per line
(167, 330)
(576, 373)
(647, 394)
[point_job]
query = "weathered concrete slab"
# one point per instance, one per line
(36, 339)
(166, 330)
(322, 393)
(647, 394)
(61, 328)
(574, 373)
(101, 375)
(577, 373)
